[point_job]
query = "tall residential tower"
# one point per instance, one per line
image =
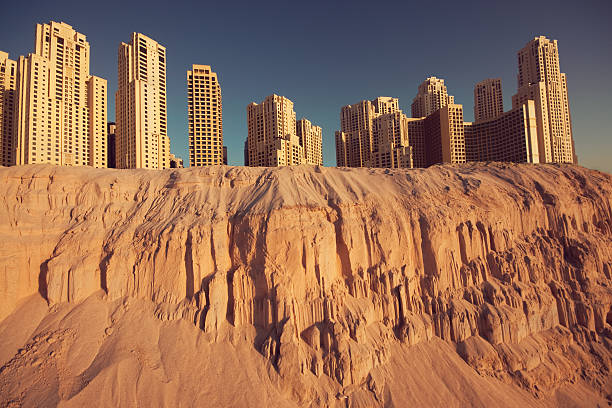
(142, 136)
(204, 112)
(488, 100)
(272, 139)
(540, 79)
(60, 105)
(431, 96)
(8, 100)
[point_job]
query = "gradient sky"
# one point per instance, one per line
(326, 54)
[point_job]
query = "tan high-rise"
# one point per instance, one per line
(311, 139)
(204, 111)
(272, 139)
(98, 137)
(8, 100)
(444, 135)
(488, 99)
(390, 137)
(540, 80)
(511, 136)
(55, 109)
(142, 136)
(431, 96)
(354, 141)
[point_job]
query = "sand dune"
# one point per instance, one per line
(472, 285)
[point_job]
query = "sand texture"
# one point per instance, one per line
(473, 285)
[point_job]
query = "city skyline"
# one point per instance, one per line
(336, 84)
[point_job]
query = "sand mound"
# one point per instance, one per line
(483, 285)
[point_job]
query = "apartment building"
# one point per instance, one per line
(488, 99)
(540, 79)
(205, 117)
(140, 105)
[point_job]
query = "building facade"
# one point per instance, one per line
(98, 143)
(540, 79)
(444, 136)
(175, 162)
(390, 137)
(355, 140)
(111, 129)
(205, 116)
(510, 137)
(140, 105)
(272, 139)
(311, 140)
(488, 99)
(8, 101)
(432, 95)
(55, 107)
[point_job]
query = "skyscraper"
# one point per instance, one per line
(272, 139)
(55, 106)
(142, 136)
(488, 99)
(444, 135)
(311, 139)
(204, 112)
(511, 136)
(431, 96)
(96, 101)
(540, 79)
(8, 101)
(390, 140)
(354, 141)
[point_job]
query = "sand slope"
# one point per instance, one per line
(483, 285)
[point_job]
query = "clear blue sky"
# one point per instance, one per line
(326, 54)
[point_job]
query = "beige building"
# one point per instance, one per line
(444, 136)
(272, 139)
(98, 137)
(55, 108)
(311, 140)
(8, 100)
(140, 105)
(511, 137)
(204, 111)
(175, 162)
(488, 99)
(540, 80)
(390, 137)
(355, 140)
(431, 96)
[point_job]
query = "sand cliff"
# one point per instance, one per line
(309, 286)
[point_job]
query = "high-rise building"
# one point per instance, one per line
(354, 141)
(204, 111)
(8, 101)
(444, 136)
(142, 136)
(311, 139)
(390, 137)
(55, 107)
(488, 99)
(431, 96)
(416, 140)
(540, 79)
(272, 139)
(97, 97)
(511, 137)
(110, 145)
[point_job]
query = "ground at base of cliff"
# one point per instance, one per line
(108, 354)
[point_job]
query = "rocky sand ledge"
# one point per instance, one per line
(478, 284)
